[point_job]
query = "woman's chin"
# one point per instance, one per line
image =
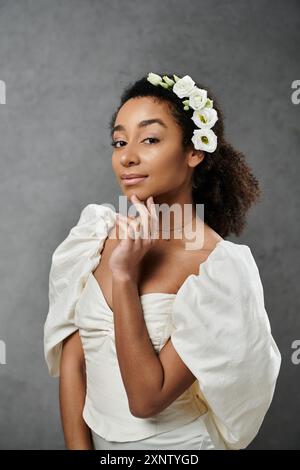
(139, 194)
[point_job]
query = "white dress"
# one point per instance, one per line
(217, 323)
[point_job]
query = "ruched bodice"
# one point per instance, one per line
(106, 395)
(95, 318)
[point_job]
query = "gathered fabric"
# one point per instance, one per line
(191, 436)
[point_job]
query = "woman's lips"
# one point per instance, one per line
(131, 181)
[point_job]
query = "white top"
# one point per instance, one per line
(217, 323)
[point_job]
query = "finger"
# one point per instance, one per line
(122, 224)
(144, 214)
(154, 216)
(127, 219)
(134, 229)
(138, 235)
(126, 228)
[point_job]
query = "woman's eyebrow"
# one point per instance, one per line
(144, 123)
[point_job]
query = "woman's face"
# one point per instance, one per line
(152, 149)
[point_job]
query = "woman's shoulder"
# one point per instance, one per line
(227, 291)
(86, 237)
(241, 259)
(229, 269)
(94, 211)
(233, 254)
(233, 249)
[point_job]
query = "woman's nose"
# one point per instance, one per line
(130, 155)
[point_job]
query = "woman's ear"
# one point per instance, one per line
(195, 157)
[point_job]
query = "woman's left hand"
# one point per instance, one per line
(126, 257)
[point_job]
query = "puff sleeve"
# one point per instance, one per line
(222, 333)
(72, 262)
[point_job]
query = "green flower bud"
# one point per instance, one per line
(164, 85)
(168, 80)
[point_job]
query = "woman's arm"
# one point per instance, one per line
(152, 381)
(72, 390)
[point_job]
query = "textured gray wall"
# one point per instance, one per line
(65, 65)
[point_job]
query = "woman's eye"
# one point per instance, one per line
(151, 138)
(115, 142)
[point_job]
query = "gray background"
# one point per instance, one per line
(65, 64)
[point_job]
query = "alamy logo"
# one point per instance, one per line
(2, 352)
(295, 96)
(2, 92)
(296, 354)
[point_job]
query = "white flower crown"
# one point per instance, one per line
(204, 116)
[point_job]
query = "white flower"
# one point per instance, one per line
(154, 78)
(204, 115)
(205, 139)
(198, 98)
(205, 118)
(184, 86)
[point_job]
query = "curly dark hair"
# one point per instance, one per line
(223, 181)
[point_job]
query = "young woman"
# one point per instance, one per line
(159, 346)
